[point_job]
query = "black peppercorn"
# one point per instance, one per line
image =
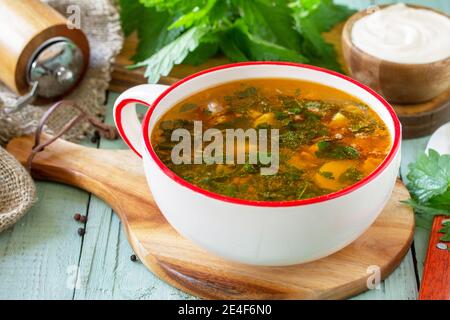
(133, 258)
(81, 231)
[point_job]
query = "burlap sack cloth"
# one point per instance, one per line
(17, 191)
(101, 23)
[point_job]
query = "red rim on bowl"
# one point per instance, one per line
(290, 203)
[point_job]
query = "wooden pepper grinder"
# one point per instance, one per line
(40, 55)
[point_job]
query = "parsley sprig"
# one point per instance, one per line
(181, 31)
(429, 185)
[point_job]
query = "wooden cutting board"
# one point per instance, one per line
(417, 120)
(117, 177)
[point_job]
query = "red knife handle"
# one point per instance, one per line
(436, 274)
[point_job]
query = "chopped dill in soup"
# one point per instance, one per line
(328, 140)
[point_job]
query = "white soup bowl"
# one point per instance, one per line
(258, 232)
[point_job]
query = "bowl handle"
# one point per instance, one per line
(125, 116)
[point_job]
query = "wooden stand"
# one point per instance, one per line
(117, 177)
(423, 119)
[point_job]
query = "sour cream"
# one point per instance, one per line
(403, 34)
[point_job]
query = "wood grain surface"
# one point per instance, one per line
(117, 178)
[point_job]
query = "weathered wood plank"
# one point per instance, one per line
(400, 285)
(39, 256)
(410, 151)
(105, 266)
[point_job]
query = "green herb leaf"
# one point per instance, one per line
(169, 31)
(188, 107)
(270, 21)
(246, 93)
(312, 17)
(180, 6)
(441, 201)
(279, 115)
(194, 17)
(249, 168)
(255, 48)
(150, 39)
(327, 174)
(203, 52)
(231, 49)
(429, 185)
(429, 176)
(426, 209)
(324, 13)
(314, 46)
(162, 62)
(351, 175)
(334, 150)
(130, 10)
(445, 229)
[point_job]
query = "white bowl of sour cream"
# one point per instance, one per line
(401, 51)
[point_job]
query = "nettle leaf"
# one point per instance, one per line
(316, 48)
(209, 46)
(195, 16)
(334, 150)
(129, 15)
(174, 6)
(255, 48)
(270, 21)
(231, 49)
(150, 39)
(175, 52)
(241, 29)
(429, 176)
(312, 17)
(325, 14)
(155, 38)
(203, 52)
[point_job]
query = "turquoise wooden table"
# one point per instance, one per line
(43, 257)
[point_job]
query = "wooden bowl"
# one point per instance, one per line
(397, 82)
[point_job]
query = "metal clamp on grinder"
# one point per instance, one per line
(42, 58)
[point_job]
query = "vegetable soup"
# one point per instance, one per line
(328, 140)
